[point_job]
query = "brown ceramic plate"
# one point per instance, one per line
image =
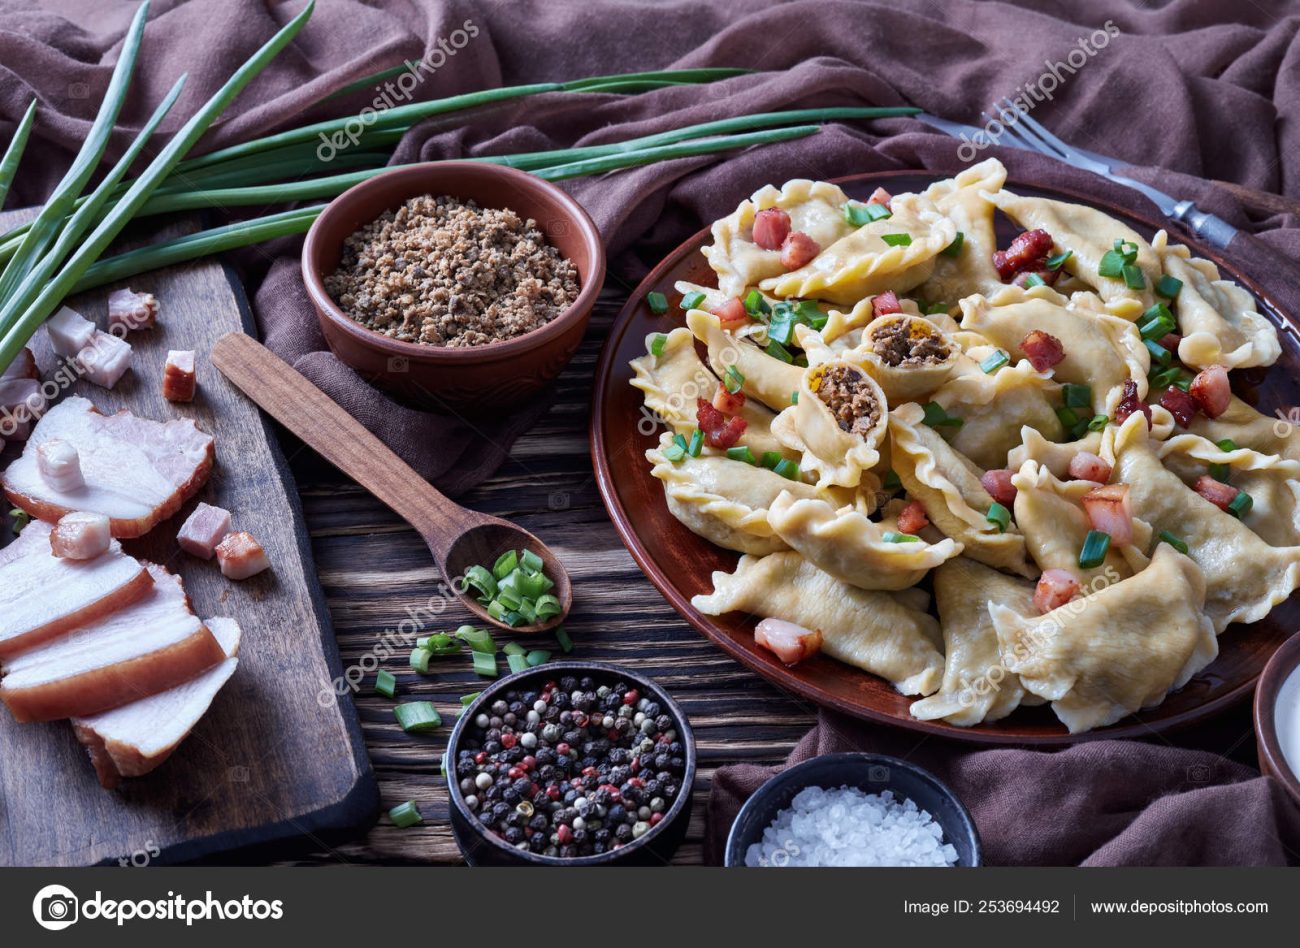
(680, 563)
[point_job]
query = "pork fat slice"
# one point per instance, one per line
(81, 536)
(137, 472)
(60, 465)
(151, 645)
(69, 332)
(132, 740)
(22, 367)
(21, 403)
(43, 595)
(203, 530)
(106, 359)
(129, 311)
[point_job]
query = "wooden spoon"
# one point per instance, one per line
(458, 538)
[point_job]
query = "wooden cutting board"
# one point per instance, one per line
(276, 755)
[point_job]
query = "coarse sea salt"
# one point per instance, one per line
(849, 827)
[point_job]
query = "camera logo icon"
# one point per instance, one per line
(55, 908)
(399, 364)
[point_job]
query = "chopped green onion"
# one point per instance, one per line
(480, 579)
(1241, 504)
(517, 662)
(756, 306)
(693, 299)
(897, 240)
(733, 380)
(1032, 280)
(1227, 444)
(505, 564)
(479, 640)
(485, 664)
(741, 452)
(778, 351)
(657, 343)
(787, 469)
(1157, 322)
(420, 660)
(417, 717)
(771, 459)
(1126, 249)
(1056, 261)
(21, 519)
(513, 648)
(547, 606)
(385, 683)
(658, 303)
(1183, 381)
(893, 536)
(531, 561)
(781, 328)
(1158, 352)
(999, 515)
(1095, 546)
(467, 700)
(1067, 416)
(679, 439)
(1076, 396)
(405, 814)
(809, 312)
(1164, 377)
(674, 453)
(936, 417)
(954, 248)
(1173, 541)
(538, 656)
(1220, 472)
(1168, 287)
(1111, 265)
(1133, 277)
(936, 309)
(509, 599)
(891, 481)
(794, 398)
(858, 215)
(992, 363)
(1098, 422)
(696, 444)
(1079, 430)
(566, 642)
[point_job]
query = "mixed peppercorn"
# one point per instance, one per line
(572, 769)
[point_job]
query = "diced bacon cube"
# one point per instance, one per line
(999, 486)
(1130, 402)
(129, 311)
(240, 556)
(912, 518)
(204, 530)
(1086, 466)
(798, 250)
(21, 403)
(22, 367)
(1055, 588)
(771, 228)
(179, 380)
(1110, 510)
(885, 304)
(789, 642)
(106, 359)
(81, 536)
(1043, 350)
(729, 403)
(1216, 492)
(731, 314)
(1026, 252)
(1212, 391)
(880, 196)
(60, 466)
(1170, 341)
(1180, 404)
(69, 332)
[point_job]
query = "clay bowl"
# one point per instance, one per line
(655, 848)
(1284, 663)
(468, 380)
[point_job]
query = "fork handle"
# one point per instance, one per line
(1208, 227)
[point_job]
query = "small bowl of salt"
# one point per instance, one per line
(853, 810)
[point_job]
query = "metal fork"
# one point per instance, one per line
(1022, 131)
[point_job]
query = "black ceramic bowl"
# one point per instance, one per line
(872, 773)
(481, 848)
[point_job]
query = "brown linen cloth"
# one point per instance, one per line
(1101, 803)
(1205, 88)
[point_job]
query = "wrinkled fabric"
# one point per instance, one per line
(1099, 803)
(1177, 90)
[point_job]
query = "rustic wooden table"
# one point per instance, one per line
(373, 566)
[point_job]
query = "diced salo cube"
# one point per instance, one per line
(69, 332)
(60, 465)
(106, 359)
(241, 556)
(203, 530)
(179, 380)
(81, 536)
(129, 311)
